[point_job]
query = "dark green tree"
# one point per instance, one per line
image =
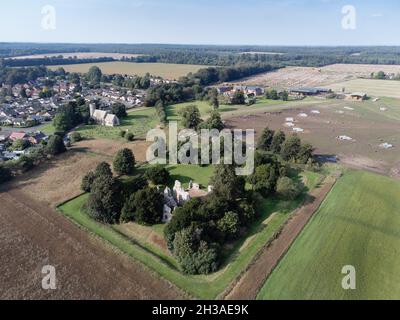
(264, 179)
(226, 183)
(128, 210)
(94, 75)
(55, 145)
(229, 225)
(305, 153)
(265, 141)
(158, 175)
(119, 109)
(149, 206)
(104, 203)
(288, 189)
(291, 148)
(103, 169)
(5, 174)
(124, 162)
(20, 145)
(277, 141)
(238, 98)
(87, 181)
(191, 117)
(214, 122)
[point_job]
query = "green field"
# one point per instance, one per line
(205, 108)
(165, 70)
(139, 122)
(273, 214)
(358, 224)
(374, 88)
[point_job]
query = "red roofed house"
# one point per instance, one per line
(17, 136)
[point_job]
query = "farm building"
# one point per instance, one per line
(357, 96)
(309, 91)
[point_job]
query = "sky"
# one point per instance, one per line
(235, 22)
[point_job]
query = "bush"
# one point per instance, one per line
(20, 145)
(124, 162)
(55, 145)
(76, 137)
(25, 163)
(158, 175)
(119, 109)
(87, 182)
(103, 169)
(288, 189)
(130, 136)
(229, 225)
(5, 174)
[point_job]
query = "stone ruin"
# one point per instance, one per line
(178, 196)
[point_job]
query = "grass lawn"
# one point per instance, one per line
(273, 214)
(205, 108)
(48, 129)
(185, 173)
(165, 70)
(358, 224)
(139, 122)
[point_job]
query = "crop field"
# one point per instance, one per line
(290, 77)
(364, 123)
(144, 245)
(29, 223)
(374, 88)
(358, 224)
(165, 70)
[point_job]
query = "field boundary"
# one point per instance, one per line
(250, 281)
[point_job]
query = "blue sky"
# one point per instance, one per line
(264, 22)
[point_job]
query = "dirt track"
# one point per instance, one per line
(251, 282)
(33, 235)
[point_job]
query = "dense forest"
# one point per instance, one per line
(214, 55)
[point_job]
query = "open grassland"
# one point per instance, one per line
(59, 179)
(358, 224)
(273, 214)
(373, 88)
(165, 70)
(138, 122)
(173, 111)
